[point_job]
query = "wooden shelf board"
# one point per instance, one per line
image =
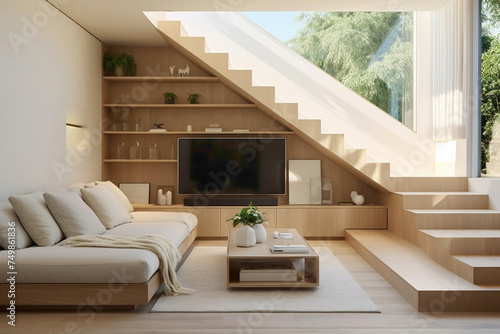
(183, 106)
(163, 79)
(141, 160)
(198, 133)
(285, 206)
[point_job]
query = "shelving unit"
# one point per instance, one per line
(130, 98)
(198, 133)
(182, 106)
(150, 79)
(126, 99)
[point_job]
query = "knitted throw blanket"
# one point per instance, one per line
(166, 251)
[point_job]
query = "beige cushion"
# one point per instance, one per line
(36, 218)
(190, 220)
(105, 205)
(117, 193)
(8, 215)
(73, 216)
(59, 264)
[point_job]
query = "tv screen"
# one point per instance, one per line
(232, 166)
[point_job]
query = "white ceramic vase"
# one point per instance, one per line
(245, 237)
(260, 233)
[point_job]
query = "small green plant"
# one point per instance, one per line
(122, 64)
(170, 98)
(248, 216)
(194, 98)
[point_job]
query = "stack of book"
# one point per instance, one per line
(268, 272)
(296, 249)
(213, 128)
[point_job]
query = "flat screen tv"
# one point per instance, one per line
(232, 166)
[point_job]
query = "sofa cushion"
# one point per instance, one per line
(59, 264)
(73, 216)
(105, 205)
(8, 215)
(187, 218)
(36, 218)
(117, 193)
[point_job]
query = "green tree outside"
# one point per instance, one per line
(369, 52)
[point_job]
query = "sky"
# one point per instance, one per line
(279, 24)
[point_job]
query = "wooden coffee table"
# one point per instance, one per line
(307, 265)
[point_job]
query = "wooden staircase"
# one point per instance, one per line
(436, 221)
(374, 174)
(442, 249)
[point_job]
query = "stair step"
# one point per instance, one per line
(444, 200)
(455, 218)
(440, 243)
(425, 284)
(481, 270)
(401, 184)
(356, 157)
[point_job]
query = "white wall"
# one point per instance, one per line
(490, 186)
(50, 71)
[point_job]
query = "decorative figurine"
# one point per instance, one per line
(183, 72)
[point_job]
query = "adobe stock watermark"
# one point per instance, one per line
(95, 304)
(30, 26)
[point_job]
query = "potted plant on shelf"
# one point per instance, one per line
(194, 98)
(120, 65)
(170, 97)
(252, 230)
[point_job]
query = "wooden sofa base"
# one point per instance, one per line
(82, 295)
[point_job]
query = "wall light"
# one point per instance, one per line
(74, 125)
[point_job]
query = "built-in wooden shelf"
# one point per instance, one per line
(142, 160)
(284, 206)
(163, 79)
(198, 133)
(183, 106)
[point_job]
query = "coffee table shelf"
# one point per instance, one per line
(307, 264)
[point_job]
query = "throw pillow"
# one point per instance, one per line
(73, 216)
(8, 218)
(105, 205)
(36, 218)
(117, 193)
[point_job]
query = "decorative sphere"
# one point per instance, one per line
(358, 199)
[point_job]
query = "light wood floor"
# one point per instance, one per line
(397, 315)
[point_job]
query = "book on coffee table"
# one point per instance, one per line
(287, 249)
(268, 272)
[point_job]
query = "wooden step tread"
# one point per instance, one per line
(409, 261)
(491, 261)
(426, 285)
(438, 193)
(454, 211)
(479, 269)
(469, 233)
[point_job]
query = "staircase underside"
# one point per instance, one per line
(426, 285)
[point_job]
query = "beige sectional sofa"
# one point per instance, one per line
(59, 275)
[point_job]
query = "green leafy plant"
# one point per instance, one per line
(248, 216)
(124, 63)
(490, 98)
(194, 98)
(170, 97)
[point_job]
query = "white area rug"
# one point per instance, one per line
(205, 271)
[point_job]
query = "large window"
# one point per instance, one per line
(369, 52)
(490, 86)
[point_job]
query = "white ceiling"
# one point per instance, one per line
(122, 22)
